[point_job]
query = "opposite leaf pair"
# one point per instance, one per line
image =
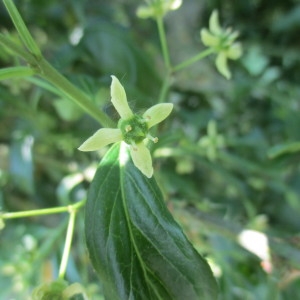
(133, 129)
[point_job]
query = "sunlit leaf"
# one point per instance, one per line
(136, 247)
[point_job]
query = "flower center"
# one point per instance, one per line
(134, 130)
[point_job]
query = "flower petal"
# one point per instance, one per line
(232, 35)
(214, 25)
(208, 39)
(119, 99)
(101, 138)
(141, 157)
(157, 113)
(235, 51)
(221, 64)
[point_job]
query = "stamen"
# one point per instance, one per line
(128, 128)
(153, 139)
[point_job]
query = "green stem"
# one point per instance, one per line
(163, 42)
(52, 75)
(193, 59)
(42, 67)
(39, 65)
(39, 212)
(68, 242)
(164, 89)
(23, 31)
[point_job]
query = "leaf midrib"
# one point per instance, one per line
(129, 224)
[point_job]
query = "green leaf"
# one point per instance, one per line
(67, 110)
(282, 149)
(14, 72)
(136, 247)
(120, 55)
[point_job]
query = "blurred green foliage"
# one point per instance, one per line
(227, 161)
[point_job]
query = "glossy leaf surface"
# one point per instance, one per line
(136, 247)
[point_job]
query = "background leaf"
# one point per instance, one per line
(135, 245)
(281, 149)
(21, 165)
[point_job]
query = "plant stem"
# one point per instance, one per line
(163, 42)
(193, 59)
(164, 89)
(68, 242)
(52, 75)
(23, 31)
(72, 209)
(42, 67)
(40, 212)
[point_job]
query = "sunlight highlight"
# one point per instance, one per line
(124, 154)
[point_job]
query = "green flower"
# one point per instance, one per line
(47, 291)
(212, 142)
(133, 129)
(157, 8)
(222, 42)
